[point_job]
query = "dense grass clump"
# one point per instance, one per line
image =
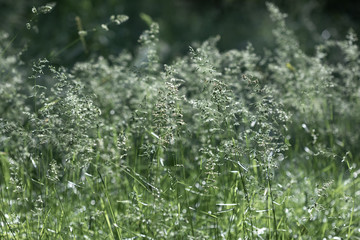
(213, 146)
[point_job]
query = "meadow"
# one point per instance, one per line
(214, 145)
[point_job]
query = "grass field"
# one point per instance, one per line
(215, 145)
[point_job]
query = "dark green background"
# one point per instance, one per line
(182, 22)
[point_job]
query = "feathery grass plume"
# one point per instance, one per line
(148, 40)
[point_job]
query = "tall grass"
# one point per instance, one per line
(213, 146)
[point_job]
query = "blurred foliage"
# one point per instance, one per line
(238, 22)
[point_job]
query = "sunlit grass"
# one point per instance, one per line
(213, 146)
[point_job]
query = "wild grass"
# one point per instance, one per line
(212, 146)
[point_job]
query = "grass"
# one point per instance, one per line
(213, 146)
